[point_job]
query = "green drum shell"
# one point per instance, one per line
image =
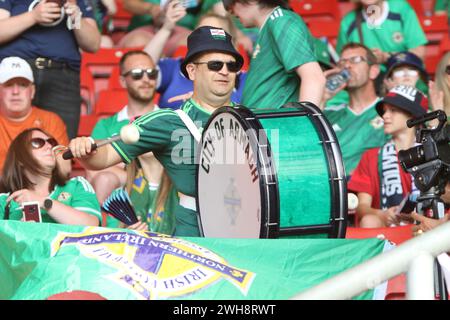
(302, 170)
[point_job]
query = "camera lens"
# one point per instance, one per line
(411, 157)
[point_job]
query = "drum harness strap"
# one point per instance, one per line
(185, 200)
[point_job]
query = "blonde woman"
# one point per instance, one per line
(440, 89)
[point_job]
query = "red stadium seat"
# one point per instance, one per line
(114, 82)
(110, 102)
(396, 235)
(87, 123)
(322, 10)
(417, 5)
(328, 29)
(345, 7)
(396, 288)
(101, 63)
(122, 17)
(444, 46)
(87, 91)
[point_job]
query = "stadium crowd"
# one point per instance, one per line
(62, 62)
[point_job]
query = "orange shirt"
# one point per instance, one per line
(46, 120)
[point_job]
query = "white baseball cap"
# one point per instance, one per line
(15, 67)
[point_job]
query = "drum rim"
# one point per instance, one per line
(268, 183)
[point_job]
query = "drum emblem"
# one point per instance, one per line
(232, 202)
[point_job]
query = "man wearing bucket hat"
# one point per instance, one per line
(405, 68)
(16, 112)
(379, 180)
(211, 63)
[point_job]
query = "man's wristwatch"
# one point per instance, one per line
(48, 204)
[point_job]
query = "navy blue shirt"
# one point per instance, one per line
(174, 83)
(53, 42)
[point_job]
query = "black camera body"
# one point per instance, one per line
(429, 163)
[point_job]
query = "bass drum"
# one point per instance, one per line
(272, 173)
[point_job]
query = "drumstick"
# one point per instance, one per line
(352, 201)
(128, 134)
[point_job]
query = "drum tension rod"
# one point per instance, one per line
(336, 179)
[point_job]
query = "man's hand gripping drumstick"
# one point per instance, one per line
(88, 151)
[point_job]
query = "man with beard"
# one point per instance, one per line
(138, 76)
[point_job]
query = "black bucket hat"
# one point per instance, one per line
(209, 39)
(406, 58)
(407, 98)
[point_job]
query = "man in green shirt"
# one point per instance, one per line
(384, 26)
(284, 67)
(211, 63)
(357, 125)
(138, 77)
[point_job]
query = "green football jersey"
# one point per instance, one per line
(189, 21)
(164, 133)
(76, 193)
(284, 43)
(356, 133)
(399, 29)
(110, 126)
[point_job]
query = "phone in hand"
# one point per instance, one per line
(406, 206)
(31, 211)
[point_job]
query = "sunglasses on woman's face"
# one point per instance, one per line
(137, 74)
(37, 143)
(216, 65)
(447, 70)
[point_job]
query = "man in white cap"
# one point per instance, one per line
(16, 112)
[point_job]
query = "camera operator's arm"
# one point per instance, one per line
(427, 224)
(446, 196)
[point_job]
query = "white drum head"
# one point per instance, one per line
(229, 194)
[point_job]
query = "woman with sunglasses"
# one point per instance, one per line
(31, 173)
(440, 89)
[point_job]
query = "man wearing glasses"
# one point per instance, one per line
(212, 64)
(357, 125)
(138, 77)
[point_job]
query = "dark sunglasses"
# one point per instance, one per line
(137, 74)
(215, 65)
(447, 69)
(37, 143)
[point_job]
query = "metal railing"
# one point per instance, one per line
(416, 257)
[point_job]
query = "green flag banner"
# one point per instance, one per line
(38, 260)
